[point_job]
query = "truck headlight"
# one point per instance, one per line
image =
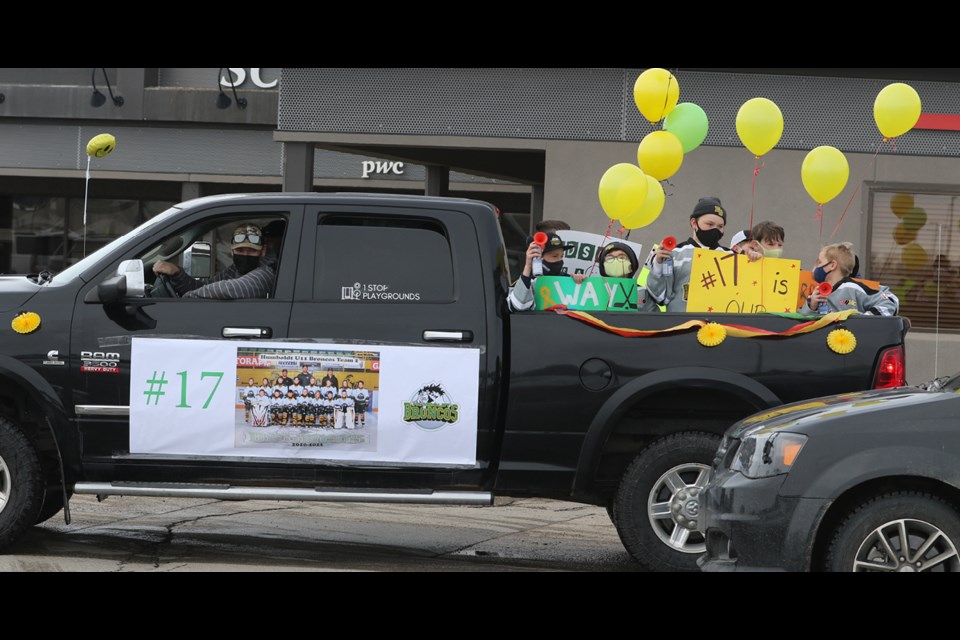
(762, 455)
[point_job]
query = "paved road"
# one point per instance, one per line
(158, 534)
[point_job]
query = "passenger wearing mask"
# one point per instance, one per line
(769, 238)
(521, 296)
(669, 284)
(835, 265)
(744, 244)
(617, 260)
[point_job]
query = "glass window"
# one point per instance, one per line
(385, 260)
(47, 233)
(912, 252)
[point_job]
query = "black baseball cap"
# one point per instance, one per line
(554, 241)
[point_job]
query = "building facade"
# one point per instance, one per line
(534, 142)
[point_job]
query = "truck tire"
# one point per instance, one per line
(21, 484)
(657, 501)
(875, 534)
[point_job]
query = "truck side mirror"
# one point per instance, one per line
(127, 282)
(196, 260)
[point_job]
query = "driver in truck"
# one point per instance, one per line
(251, 275)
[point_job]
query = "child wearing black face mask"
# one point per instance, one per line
(671, 290)
(521, 294)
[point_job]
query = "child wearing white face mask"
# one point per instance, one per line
(617, 260)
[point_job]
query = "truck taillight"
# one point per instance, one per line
(892, 371)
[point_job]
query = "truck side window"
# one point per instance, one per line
(382, 260)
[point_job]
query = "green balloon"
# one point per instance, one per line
(688, 122)
(914, 219)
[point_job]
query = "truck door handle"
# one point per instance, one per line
(247, 332)
(448, 336)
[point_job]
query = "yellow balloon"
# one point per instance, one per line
(656, 92)
(759, 125)
(914, 256)
(900, 203)
(101, 145)
(623, 189)
(902, 235)
(896, 109)
(651, 209)
(824, 173)
(914, 219)
(660, 154)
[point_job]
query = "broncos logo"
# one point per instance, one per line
(429, 393)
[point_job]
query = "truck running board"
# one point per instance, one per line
(319, 494)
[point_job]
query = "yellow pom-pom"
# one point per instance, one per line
(101, 145)
(26, 322)
(841, 341)
(711, 334)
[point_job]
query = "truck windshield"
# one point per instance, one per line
(76, 269)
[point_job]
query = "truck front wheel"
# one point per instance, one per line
(21, 484)
(658, 499)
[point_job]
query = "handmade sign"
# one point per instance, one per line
(593, 294)
(729, 283)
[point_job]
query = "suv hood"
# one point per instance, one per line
(15, 291)
(821, 410)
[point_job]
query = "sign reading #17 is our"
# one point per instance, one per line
(729, 283)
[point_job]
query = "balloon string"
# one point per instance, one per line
(666, 99)
(753, 189)
(819, 216)
(86, 191)
(855, 191)
(603, 243)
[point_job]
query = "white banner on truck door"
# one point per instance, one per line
(580, 258)
(393, 403)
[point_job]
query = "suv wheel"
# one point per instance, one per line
(901, 532)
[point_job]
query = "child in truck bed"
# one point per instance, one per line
(835, 265)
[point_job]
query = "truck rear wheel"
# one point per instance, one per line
(21, 484)
(658, 499)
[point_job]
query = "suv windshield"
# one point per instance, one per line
(79, 267)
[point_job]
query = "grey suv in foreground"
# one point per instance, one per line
(854, 482)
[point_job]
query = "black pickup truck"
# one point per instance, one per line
(111, 388)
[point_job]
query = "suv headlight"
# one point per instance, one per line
(762, 455)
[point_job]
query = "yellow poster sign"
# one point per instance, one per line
(729, 283)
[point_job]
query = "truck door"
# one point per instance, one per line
(101, 333)
(407, 283)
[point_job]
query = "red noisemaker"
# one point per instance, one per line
(540, 238)
(669, 243)
(825, 289)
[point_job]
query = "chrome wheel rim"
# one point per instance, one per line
(907, 546)
(673, 506)
(5, 486)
